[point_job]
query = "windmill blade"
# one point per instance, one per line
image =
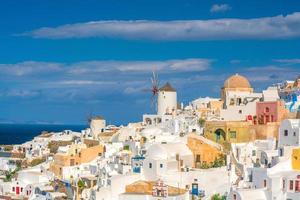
(154, 89)
(155, 77)
(154, 101)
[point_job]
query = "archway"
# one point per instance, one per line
(148, 121)
(220, 135)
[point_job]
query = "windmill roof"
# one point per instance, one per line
(167, 87)
(98, 117)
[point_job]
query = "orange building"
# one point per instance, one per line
(213, 109)
(76, 154)
(146, 188)
(204, 150)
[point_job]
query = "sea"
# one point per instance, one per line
(20, 133)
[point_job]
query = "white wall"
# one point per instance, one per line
(156, 170)
(293, 129)
(258, 177)
(167, 101)
(149, 197)
(97, 125)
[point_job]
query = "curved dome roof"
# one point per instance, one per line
(237, 81)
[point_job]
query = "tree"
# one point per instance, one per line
(80, 184)
(126, 147)
(219, 162)
(8, 176)
(201, 122)
(204, 165)
(218, 197)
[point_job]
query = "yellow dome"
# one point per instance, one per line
(237, 81)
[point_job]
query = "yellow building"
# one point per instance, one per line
(229, 131)
(204, 151)
(76, 154)
(240, 131)
(296, 159)
(265, 131)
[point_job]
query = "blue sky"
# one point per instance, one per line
(62, 61)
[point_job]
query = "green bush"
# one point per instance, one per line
(218, 197)
(37, 161)
(80, 184)
(201, 122)
(218, 162)
(204, 165)
(10, 174)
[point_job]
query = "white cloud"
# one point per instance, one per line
(85, 82)
(166, 66)
(288, 61)
(220, 8)
(277, 27)
(21, 93)
(235, 61)
(99, 67)
(29, 67)
(269, 68)
(133, 90)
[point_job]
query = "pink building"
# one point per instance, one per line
(270, 111)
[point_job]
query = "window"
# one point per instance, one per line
(234, 197)
(267, 118)
(177, 157)
(253, 153)
(281, 152)
(297, 186)
(286, 132)
(239, 101)
(291, 185)
(72, 161)
(294, 133)
(283, 184)
(233, 134)
(267, 109)
(161, 165)
(198, 158)
(150, 165)
(240, 111)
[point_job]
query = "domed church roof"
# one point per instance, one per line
(237, 81)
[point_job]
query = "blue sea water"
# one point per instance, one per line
(20, 133)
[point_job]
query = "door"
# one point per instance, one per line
(72, 162)
(17, 190)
